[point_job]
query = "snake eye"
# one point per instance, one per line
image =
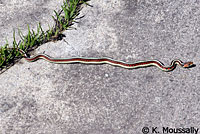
(188, 64)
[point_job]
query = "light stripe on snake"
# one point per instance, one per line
(86, 60)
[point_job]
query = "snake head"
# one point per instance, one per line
(188, 65)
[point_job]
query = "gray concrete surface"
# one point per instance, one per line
(46, 98)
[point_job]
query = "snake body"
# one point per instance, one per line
(110, 61)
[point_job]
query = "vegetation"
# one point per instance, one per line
(63, 19)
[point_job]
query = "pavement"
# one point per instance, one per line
(46, 98)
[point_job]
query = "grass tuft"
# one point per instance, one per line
(63, 19)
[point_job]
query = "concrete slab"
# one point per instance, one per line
(42, 97)
(16, 14)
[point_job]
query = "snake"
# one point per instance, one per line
(110, 61)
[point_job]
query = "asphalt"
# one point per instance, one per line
(46, 98)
